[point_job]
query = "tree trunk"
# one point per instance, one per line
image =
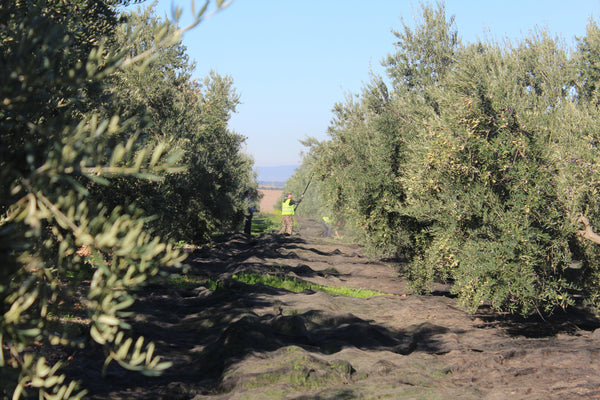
(588, 232)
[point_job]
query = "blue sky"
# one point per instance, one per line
(291, 61)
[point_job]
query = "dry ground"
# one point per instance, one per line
(256, 342)
(270, 196)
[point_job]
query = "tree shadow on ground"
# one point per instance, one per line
(240, 247)
(232, 257)
(206, 333)
(569, 321)
(343, 395)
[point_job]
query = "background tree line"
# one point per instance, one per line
(477, 162)
(107, 145)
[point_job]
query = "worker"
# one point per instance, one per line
(250, 210)
(326, 226)
(287, 213)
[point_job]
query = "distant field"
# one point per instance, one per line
(271, 184)
(269, 199)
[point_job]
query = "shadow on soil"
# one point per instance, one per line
(569, 321)
(204, 332)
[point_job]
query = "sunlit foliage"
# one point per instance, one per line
(80, 143)
(475, 162)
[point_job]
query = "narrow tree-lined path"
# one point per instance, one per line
(257, 342)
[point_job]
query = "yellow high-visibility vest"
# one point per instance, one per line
(287, 208)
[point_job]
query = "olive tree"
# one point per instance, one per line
(477, 163)
(57, 142)
(191, 116)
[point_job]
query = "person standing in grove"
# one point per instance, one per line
(250, 210)
(287, 213)
(326, 226)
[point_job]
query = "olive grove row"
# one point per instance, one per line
(478, 163)
(110, 153)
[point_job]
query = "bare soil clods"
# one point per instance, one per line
(256, 342)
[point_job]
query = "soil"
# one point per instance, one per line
(268, 199)
(256, 342)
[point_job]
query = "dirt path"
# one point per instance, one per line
(256, 342)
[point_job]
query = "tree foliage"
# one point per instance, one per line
(475, 162)
(77, 127)
(189, 116)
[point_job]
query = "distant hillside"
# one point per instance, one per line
(275, 176)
